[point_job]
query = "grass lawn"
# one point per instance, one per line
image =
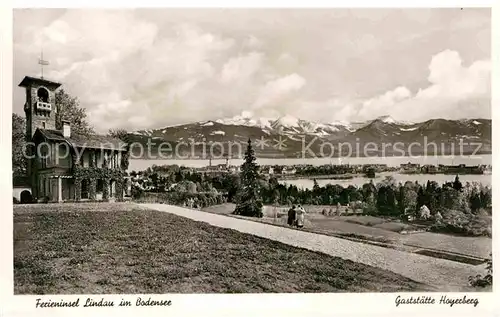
(121, 248)
(369, 221)
(377, 229)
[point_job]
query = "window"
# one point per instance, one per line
(43, 160)
(43, 125)
(85, 159)
(99, 186)
(85, 189)
(43, 94)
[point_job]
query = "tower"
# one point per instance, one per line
(40, 110)
(40, 106)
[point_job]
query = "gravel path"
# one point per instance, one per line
(444, 274)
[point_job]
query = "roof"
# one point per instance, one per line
(98, 142)
(92, 141)
(54, 135)
(28, 80)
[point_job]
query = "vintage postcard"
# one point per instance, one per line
(324, 155)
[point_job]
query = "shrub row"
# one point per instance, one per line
(186, 199)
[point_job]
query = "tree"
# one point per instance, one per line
(370, 207)
(420, 197)
(457, 185)
(315, 186)
(249, 201)
(386, 201)
(485, 196)
(452, 199)
(475, 202)
(121, 134)
(408, 199)
(19, 161)
(186, 186)
(370, 172)
(275, 196)
(432, 196)
(368, 189)
(68, 108)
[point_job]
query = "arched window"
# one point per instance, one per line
(43, 94)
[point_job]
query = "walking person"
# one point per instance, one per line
(300, 215)
(291, 216)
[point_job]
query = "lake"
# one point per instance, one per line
(486, 159)
(484, 179)
(141, 164)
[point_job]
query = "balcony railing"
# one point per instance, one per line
(40, 105)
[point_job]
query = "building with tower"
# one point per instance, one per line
(62, 165)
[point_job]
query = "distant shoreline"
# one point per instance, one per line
(282, 157)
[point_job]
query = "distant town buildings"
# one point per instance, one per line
(461, 169)
(410, 166)
(444, 169)
(219, 168)
(288, 170)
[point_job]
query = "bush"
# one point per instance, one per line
(369, 211)
(44, 200)
(438, 217)
(137, 192)
(483, 281)
(249, 208)
(457, 222)
(185, 199)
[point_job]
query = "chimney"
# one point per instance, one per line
(66, 129)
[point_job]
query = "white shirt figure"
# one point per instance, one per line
(300, 215)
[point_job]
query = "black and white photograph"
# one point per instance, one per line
(252, 150)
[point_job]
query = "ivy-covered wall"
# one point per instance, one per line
(94, 173)
(78, 189)
(120, 187)
(125, 159)
(105, 189)
(92, 188)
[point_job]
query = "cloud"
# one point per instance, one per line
(455, 92)
(253, 42)
(121, 69)
(380, 104)
(154, 68)
(241, 67)
(273, 93)
(328, 111)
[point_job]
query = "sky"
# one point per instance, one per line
(150, 68)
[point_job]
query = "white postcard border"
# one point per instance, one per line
(343, 304)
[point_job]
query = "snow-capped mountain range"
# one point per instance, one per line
(295, 131)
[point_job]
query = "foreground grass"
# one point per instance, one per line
(120, 248)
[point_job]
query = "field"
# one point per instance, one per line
(375, 229)
(121, 248)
